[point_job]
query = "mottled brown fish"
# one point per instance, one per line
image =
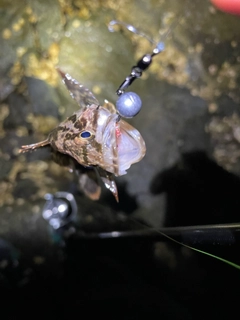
(95, 137)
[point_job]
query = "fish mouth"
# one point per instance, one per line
(122, 146)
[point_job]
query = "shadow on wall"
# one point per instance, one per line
(198, 192)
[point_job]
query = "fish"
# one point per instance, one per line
(95, 137)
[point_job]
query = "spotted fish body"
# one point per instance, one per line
(95, 136)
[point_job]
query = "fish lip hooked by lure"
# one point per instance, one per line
(95, 136)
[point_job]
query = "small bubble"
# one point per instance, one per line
(236, 133)
(234, 44)
(21, 51)
(55, 35)
(61, 110)
(16, 151)
(35, 209)
(9, 209)
(108, 48)
(28, 10)
(22, 131)
(194, 92)
(96, 89)
(212, 10)
(20, 201)
(6, 34)
(18, 25)
(76, 23)
(212, 107)
(199, 47)
(33, 18)
(213, 69)
(67, 34)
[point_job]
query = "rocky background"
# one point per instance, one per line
(190, 121)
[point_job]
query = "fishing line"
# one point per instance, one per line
(232, 264)
(129, 104)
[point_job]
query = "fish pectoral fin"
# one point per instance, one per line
(30, 147)
(108, 180)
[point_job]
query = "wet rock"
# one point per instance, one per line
(19, 109)
(43, 97)
(25, 189)
(6, 87)
(5, 166)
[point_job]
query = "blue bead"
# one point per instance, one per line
(128, 104)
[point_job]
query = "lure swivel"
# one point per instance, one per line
(129, 103)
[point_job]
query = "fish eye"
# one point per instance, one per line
(85, 134)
